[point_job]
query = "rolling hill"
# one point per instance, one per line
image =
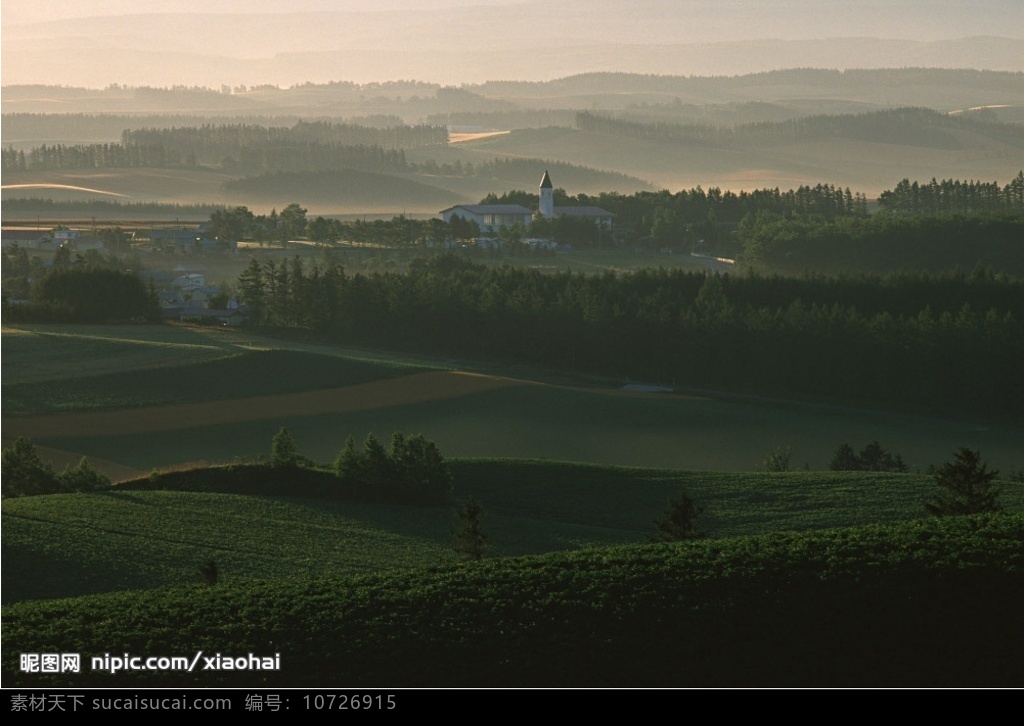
(926, 603)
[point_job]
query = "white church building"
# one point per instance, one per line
(548, 209)
(490, 217)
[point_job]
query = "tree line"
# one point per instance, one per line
(251, 159)
(948, 343)
(25, 474)
(953, 196)
(883, 242)
(908, 126)
(306, 146)
(691, 216)
(89, 288)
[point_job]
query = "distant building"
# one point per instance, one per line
(189, 241)
(547, 197)
(82, 243)
(189, 282)
(548, 209)
(490, 217)
(28, 239)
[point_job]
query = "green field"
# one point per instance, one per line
(567, 572)
(59, 352)
(73, 544)
(251, 373)
(67, 545)
(156, 386)
(562, 420)
(925, 603)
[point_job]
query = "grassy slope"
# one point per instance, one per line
(244, 374)
(35, 353)
(123, 184)
(925, 603)
(580, 423)
(65, 545)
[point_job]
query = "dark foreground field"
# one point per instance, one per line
(929, 603)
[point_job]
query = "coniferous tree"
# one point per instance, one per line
(844, 459)
(966, 485)
(349, 464)
(283, 451)
(421, 472)
(873, 457)
(378, 466)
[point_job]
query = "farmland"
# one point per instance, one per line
(133, 539)
(185, 394)
(165, 398)
(571, 469)
(541, 424)
(731, 399)
(841, 607)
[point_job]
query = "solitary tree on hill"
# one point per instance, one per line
(679, 521)
(283, 451)
(966, 485)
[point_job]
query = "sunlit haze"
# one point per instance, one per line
(95, 43)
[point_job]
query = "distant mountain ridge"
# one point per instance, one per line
(944, 89)
(456, 42)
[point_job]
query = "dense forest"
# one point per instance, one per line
(909, 126)
(952, 196)
(882, 243)
(940, 344)
(252, 148)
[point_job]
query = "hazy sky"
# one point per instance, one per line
(164, 42)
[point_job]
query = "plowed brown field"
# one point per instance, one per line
(417, 388)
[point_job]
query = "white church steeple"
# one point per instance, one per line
(547, 197)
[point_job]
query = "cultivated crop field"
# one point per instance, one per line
(140, 398)
(841, 607)
(160, 396)
(571, 472)
(73, 544)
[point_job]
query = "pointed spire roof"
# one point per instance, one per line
(545, 182)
